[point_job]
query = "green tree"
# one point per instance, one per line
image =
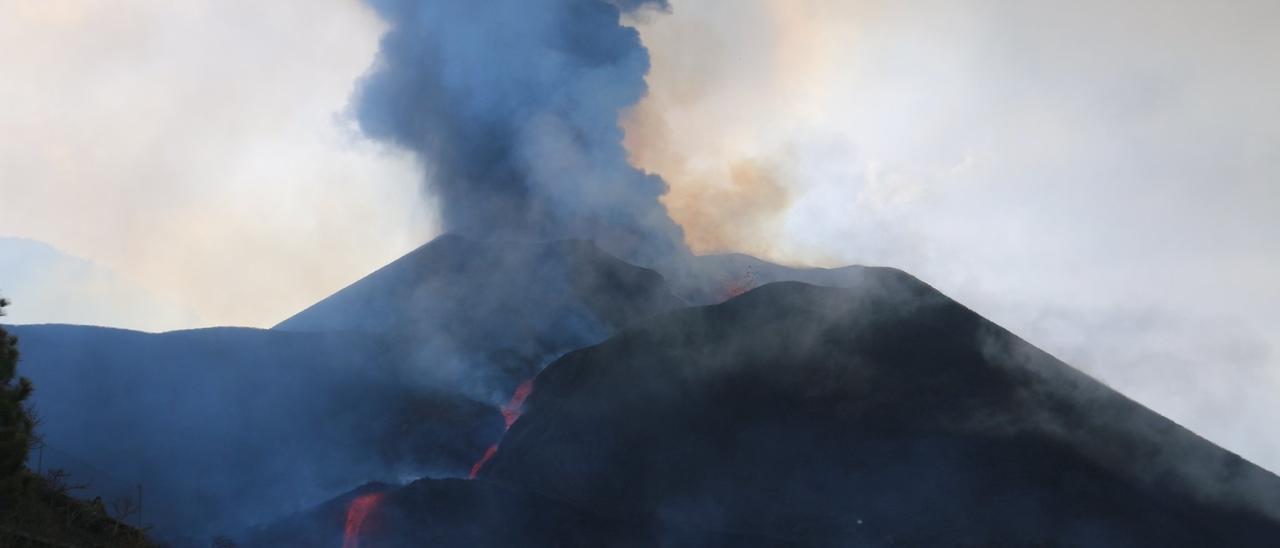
(16, 424)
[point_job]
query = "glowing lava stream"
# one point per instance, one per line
(510, 413)
(733, 288)
(359, 509)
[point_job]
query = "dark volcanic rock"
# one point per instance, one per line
(886, 414)
(710, 279)
(480, 514)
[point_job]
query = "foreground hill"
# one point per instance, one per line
(879, 415)
(225, 427)
(711, 279)
(455, 284)
(471, 514)
(884, 413)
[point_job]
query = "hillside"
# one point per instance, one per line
(225, 427)
(886, 413)
(879, 415)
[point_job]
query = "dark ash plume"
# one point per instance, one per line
(512, 106)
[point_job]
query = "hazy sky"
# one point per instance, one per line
(198, 148)
(1100, 178)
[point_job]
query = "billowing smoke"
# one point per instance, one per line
(512, 106)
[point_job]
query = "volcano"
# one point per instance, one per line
(403, 374)
(853, 406)
(880, 413)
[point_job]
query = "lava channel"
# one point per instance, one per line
(510, 414)
(357, 512)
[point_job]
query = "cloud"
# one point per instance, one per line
(739, 211)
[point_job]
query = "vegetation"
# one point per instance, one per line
(43, 513)
(39, 510)
(16, 425)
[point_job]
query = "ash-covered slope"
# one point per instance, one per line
(885, 414)
(227, 427)
(880, 415)
(457, 286)
(483, 316)
(710, 279)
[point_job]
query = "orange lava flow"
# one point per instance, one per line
(510, 414)
(511, 411)
(359, 509)
(488, 454)
(733, 288)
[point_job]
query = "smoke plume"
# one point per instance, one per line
(512, 107)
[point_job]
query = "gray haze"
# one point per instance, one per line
(58, 288)
(196, 148)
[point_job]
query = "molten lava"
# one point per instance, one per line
(488, 454)
(737, 287)
(357, 512)
(510, 413)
